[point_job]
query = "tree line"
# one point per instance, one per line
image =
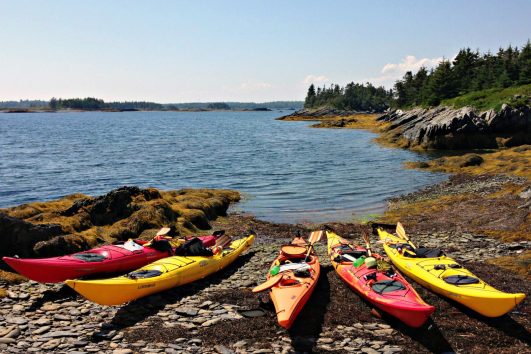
(469, 71)
(356, 97)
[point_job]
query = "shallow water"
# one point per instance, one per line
(287, 171)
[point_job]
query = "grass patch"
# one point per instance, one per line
(497, 214)
(513, 161)
(520, 264)
(492, 98)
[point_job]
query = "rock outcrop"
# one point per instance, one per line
(464, 128)
(318, 114)
(79, 222)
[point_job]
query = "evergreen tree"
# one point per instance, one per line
(310, 97)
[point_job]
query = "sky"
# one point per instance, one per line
(249, 51)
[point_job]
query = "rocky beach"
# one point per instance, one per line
(220, 314)
(479, 216)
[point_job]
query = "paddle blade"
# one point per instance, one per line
(268, 284)
(163, 231)
(315, 236)
(400, 231)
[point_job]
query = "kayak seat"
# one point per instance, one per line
(460, 280)
(387, 286)
(193, 247)
(89, 257)
(419, 252)
(141, 274)
(344, 249)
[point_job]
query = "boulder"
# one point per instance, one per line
(19, 236)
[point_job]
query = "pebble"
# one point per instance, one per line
(7, 340)
(57, 334)
(122, 351)
(16, 320)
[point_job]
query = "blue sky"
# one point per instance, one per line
(182, 51)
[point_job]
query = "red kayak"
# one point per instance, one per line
(386, 289)
(115, 258)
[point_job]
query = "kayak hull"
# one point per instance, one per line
(480, 297)
(404, 304)
(292, 292)
(174, 271)
(58, 269)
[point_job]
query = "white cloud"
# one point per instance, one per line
(315, 79)
(409, 63)
(394, 71)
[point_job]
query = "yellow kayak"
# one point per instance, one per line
(158, 276)
(444, 276)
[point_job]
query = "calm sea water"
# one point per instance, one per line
(288, 171)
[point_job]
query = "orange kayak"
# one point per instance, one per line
(291, 280)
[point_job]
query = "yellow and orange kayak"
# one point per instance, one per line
(292, 278)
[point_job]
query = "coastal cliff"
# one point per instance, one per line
(453, 129)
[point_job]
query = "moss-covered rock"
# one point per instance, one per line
(79, 222)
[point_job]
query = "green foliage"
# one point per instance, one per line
(87, 104)
(355, 97)
(468, 72)
(493, 98)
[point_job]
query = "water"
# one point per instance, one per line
(287, 171)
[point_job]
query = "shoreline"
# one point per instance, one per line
(460, 215)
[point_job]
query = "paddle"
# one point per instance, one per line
(163, 231)
(269, 283)
(401, 232)
(315, 236)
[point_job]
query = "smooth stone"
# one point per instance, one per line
(6, 331)
(368, 350)
(23, 296)
(58, 334)
(7, 340)
(240, 344)
(18, 308)
(122, 351)
(43, 321)
(187, 311)
(205, 304)
(13, 334)
(50, 307)
(69, 304)
(60, 317)
(326, 340)
(384, 332)
(41, 330)
(210, 322)
(51, 344)
(16, 320)
(221, 349)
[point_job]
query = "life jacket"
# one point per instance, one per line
(193, 247)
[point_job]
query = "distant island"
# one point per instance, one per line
(95, 104)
